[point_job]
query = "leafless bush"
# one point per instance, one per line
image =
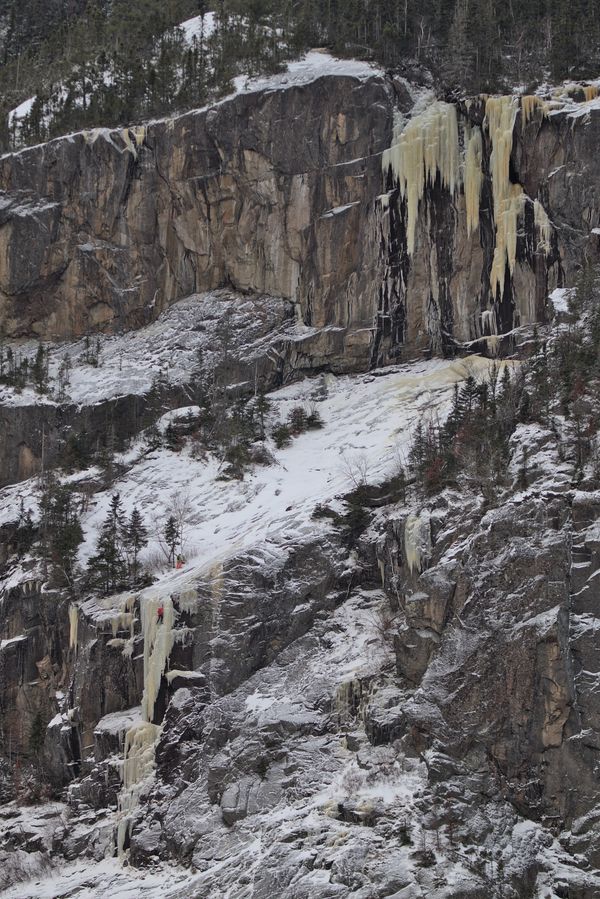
(179, 508)
(398, 460)
(155, 562)
(355, 469)
(383, 622)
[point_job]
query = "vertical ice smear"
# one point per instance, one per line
(543, 228)
(473, 178)
(141, 739)
(138, 765)
(73, 626)
(158, 643)
(428, 148)
(509, 198)
(216, 580)
(489, 325)
(425, 148)
(133, 138)
(413, 541)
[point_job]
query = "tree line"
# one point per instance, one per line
(90, 62)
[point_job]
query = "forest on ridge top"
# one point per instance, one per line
(86, 63)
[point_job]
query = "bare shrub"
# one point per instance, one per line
(355, 469)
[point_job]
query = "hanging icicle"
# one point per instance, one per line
(425, 149)
(531, 106)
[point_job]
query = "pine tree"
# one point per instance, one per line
(64, 376)
(458, 66)
(25, 533)
(107, 569)
(61, 531)
(262, 406)
(37, 735)
(39, 370)
(173, 440)
(171, 537)
(468, 396)
(135, 538)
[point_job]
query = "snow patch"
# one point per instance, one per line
(560, 298)
(313, 65)
(20, 111)
(198, 27)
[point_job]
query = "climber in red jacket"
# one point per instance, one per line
(160, 613)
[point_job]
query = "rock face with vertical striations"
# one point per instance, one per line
(266, 192)
(105, 229)
(354, 686)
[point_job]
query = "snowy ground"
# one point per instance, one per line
(129, 362)
(107, 878)
(368, 424)
(313, 65)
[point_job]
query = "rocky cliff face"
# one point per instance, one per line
(267, 191)
(355, 691)
(106, 229)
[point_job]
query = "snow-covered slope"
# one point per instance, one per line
(183, 340)
(368, 422)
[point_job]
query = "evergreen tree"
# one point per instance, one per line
(39, 370)
(262, 407)
(92, 62)
(458, 68)
(171, 537)
(107, 568)
(135, 538)
(64, 376)
(61, 531)
(37, 735)
(173, 440)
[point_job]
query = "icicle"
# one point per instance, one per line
(530, 105)
(425, 148)
(381, 566)
(412, 542)
(138, 765)
(121, 621)
(570, 88)
(158, 643)
(73, 626)
(138, 757)
(507, 215)
(509, 199)
(489, 325)
(140, 740)
(347, 699)
(489, 330)
(473, 178)
(543, 228)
